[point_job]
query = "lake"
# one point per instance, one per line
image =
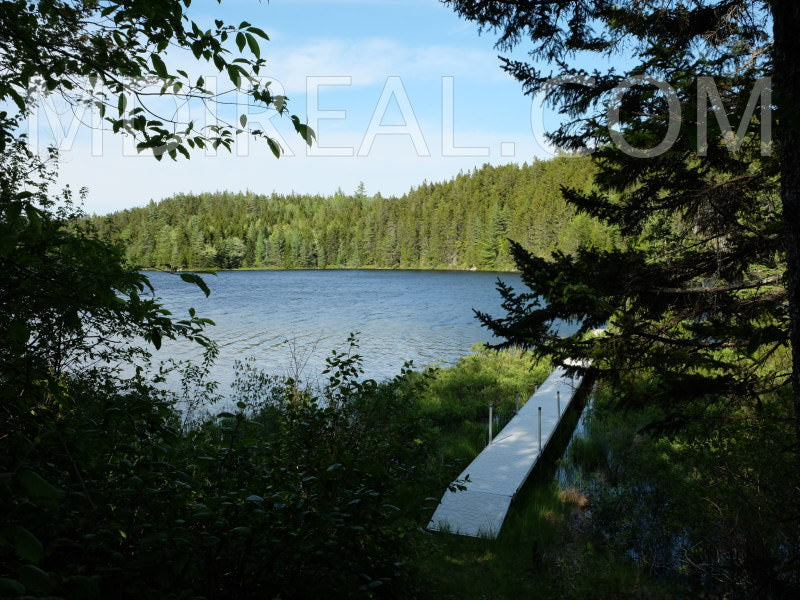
(424, 316)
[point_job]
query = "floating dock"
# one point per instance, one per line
(500, 470)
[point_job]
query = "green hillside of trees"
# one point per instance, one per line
(458, 224)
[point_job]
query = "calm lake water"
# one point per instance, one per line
(400, 315)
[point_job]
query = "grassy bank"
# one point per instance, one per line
(299, 493)
(548, 546)
(509, 566)
(544, 536)
(635, 509)
(627, 507)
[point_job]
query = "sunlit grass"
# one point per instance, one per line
(541, 550)
(457, 402)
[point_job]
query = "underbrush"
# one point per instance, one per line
(107, 493)
(109, 490)
(707, 510)
(114, 488)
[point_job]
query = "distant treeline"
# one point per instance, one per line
(459, 224)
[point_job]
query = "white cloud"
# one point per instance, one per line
(370, 61)
(118, 179)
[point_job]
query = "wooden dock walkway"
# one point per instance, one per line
(500, 470)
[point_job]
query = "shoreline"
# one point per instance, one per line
(276, 269)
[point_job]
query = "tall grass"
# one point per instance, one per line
(548, 545)
(456, 402)
(464, 391)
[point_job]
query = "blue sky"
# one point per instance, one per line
(406, 52)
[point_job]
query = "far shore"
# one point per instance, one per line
(408, 269)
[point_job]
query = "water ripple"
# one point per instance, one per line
(401, 315)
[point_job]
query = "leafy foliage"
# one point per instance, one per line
(711, 516)
(111, 55)
(291, 494)
(67, 301)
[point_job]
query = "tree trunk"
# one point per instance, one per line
(786, 87)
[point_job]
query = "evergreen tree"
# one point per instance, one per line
(452, 224)
(260, 248)
(704, 291)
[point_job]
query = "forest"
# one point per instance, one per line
(459, 224)
(678, 265)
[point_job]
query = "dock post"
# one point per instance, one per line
(540, 430)
(491, 420)
(558, 399)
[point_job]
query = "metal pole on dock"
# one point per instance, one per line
(540, 430)
(491, 420)
(558, 398)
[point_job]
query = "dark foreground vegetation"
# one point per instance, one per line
(113, 487)
(683, 480)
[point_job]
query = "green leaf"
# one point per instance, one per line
(252, 42)
(36, 487)
(273, 145)
(259, 32)
(241, 41)
(26, 545)
(235, 75)
(198, 281)
(34, 578)
(159, 66)
(17, 99)
(122, 103)
(10, 588)
(243, 120)
(306, 133)
(279, 102)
